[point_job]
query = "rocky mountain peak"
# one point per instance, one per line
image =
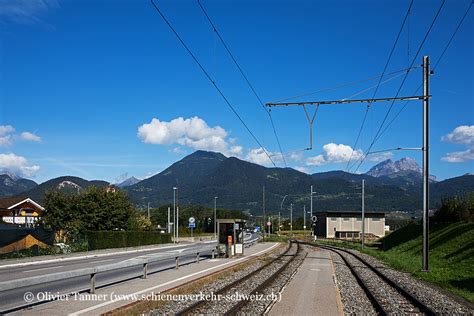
(389, 167)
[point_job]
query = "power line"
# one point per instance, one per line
(434, 68)
(380, 80)
(400, 88)
(244, 76)
(339, 86)
(210, 79)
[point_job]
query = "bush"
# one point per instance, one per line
(455, 209)
(123, 239)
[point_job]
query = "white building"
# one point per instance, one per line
(335, 224)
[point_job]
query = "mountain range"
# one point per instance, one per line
(239, 184)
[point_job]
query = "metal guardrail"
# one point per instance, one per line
(31, 281)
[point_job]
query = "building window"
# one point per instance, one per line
(345, 219)
(359, 219)
(375, 219)
(333, 219)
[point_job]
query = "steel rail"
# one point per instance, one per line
(409, 296)
(237, 307)
(189, 310)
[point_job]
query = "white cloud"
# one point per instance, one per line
(25, 11)
(334, 153)
(460, 135)
(258, 156)
(192, 133)
(464, 135)
(5, 141)
(17, 165)
(295, 156)
(6, 129)
(459, 156)
(30, 137)
(380, 157)
(302, 169)
(316, 161)
(8, 136)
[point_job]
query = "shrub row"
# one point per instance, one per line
(122, 239)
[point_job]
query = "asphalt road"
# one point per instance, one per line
(23, 271)
(15, 298)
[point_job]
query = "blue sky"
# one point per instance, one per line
(97, 89)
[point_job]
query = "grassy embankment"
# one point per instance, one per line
(451, 255)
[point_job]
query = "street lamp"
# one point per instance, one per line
(215, 217)
(279, 215)
(174, 213)
(291, 219)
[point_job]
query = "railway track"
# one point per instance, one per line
(386, 296)
(234, 297)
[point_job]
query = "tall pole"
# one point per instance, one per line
(174, 214)
(291, 219)
(263, 206)
(148, 210)
(215, 217)
(177, 215)
(169, 226)
(279, 213)
(363, 212)
(279, 216)
(311, 205)
(426, 172)
(304, 220)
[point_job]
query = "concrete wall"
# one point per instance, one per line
(374, 225)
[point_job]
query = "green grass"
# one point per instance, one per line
(451, 264)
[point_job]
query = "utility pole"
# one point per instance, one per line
(291, 219)
(426, 172)
(177, 216)
(363, 212)
(148, 210)
(174, 214)
(304, 220)
(215, 217)
(169, 224)
(312, 192)
(263, 205)
(425, 149)
(279, 224)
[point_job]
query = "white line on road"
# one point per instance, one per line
(169, 282)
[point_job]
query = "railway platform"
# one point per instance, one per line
(312, 290)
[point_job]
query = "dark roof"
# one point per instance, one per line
(348, 213)
(11, 200)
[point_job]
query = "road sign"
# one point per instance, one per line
(269, 223)
(192, 225)
(314, 218)
(192, 220)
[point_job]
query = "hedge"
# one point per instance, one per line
(122, 239)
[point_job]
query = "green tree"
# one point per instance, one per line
(92, 209)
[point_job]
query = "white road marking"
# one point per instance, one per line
(34, 270)
(169, 282)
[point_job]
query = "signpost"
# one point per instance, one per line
(314, 219)
(192, 224)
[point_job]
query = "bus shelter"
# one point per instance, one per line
(230, 232)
